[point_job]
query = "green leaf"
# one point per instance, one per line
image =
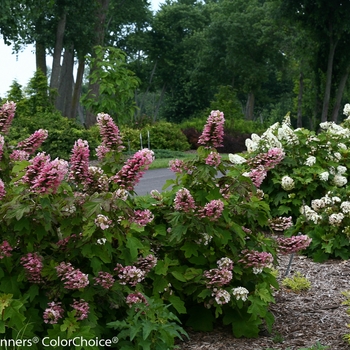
(190, 249)
(134, 245)
(178, 304)
(179, 276)
(148, 327)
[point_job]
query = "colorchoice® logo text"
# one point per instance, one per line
(52, 342)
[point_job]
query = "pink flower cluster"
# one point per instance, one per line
(104, 279)
(110, 134)
(258, 175)
(142, 217)
(268, 160)
(97, 180)
(213, 132)
(79, 162)
(136, 298)
(73, 278)
(184, 201)
(18, 154)
(103, 222)
(288, 245)
(2, 144)
(129, 274)
(82, 309)
(7, 113)
(33, 142)
(179, 166)
(256, 260)
(146, 264)
(53, 313)
(62, 243)
(130, 174)
(2, 189)
(281, 223)
(33, 264)
(212, 210)
(217, 277)
(43, 175)
(5, 249)
(213, 159)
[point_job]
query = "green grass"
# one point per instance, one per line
(163, 157)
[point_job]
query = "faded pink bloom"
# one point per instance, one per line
(97, 181)
(110, 134)
(136, 298)
(288, 245)
(130, 174)
(103, 222)
(5, 249)
(82, 309)
(213, 159)
(129, 275)
(225, 263)
(2, 189)
(142, 217)
(62, 243)
(2, 143)
(73, 278)
(53, 313)
(212, 210)
(213, 132)
(104, 279)
(258, 175)
(221, 296)
(146, 264)
(35, 168)
(33, 142)
(7, 113)
(217, 278)
(268, 160)
(63, 268)
(79, 162)
(50, 177)
(32, 262)
(281, 223)
(180, 166)
(255, 259)
(184, 201)
(19, 155)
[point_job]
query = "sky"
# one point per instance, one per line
(21, 66)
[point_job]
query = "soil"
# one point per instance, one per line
(302, 320)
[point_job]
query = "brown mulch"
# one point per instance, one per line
(301, 319)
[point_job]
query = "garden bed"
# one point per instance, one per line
(301, 320)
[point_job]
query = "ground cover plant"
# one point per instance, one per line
(84, 260)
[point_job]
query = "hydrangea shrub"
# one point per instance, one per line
(81, 255)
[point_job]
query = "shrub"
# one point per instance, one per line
(81, 256)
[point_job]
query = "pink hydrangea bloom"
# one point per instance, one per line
(258, 175)
(19, 155)
(142, 217)
(103, 222)
(110, 134)
(288, 245)
(217, 278)
(268, 160)
(129, 275)
(32, 262)
(79, 162)
(213, 159)
(255, 259)
(213, 132)
(179, 166)
(2, 143)
(5, 249)
(35, 167)
(104, 279)
(82, 309)
(7, 113)
(184, 201)
(281, 223)
(136, 298)
(146, 264)
(2, 189)
(212, 210)
(130, 174)
(73, 278)
(33, 142)
(53, 313)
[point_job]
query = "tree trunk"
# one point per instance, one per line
(77, 89)
(40, 57)
(65, 90)
(327, 93)
(300, 100)
(93, 89)
(339, 95)
(249, 109)
(56, 62)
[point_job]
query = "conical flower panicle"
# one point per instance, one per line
(213, 132)
(7, 113)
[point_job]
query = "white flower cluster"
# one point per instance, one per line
(310, 214)
(286, 133)
(205, 239)
(340, 180)
(287, 183)
(336, 219)
(346, 110)
(236, 159)
(310, 161)
(335, 129)
(222, 296)
(345, 207)
(324, 176)
(240, 293)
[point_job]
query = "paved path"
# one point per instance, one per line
(153, 179)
